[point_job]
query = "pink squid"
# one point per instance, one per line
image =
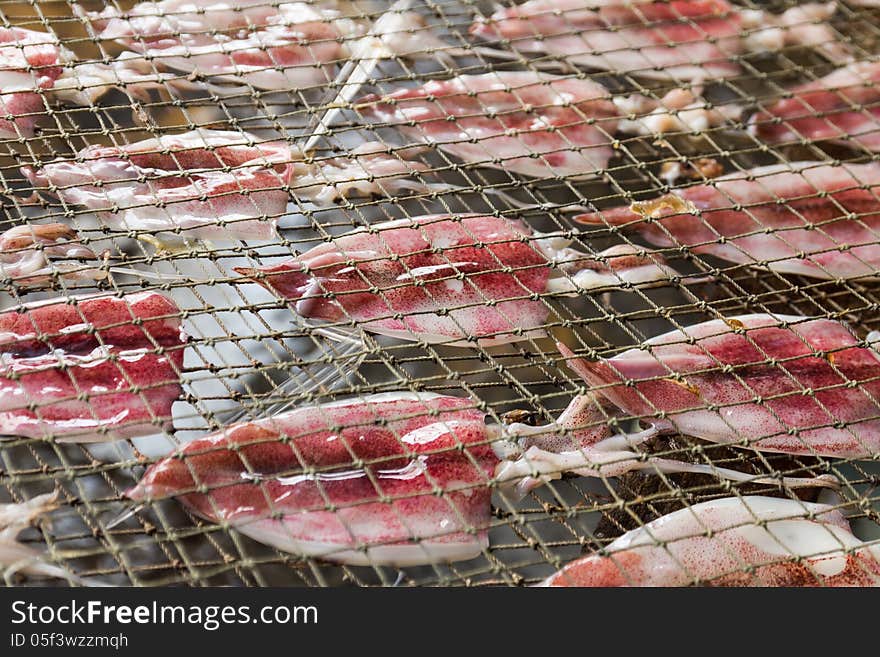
(31, 63)
(680, 40)
(270, 45)
(90, 368)
(807, 218)
(210, 184)
(280, 46)
(36, 69)
(733, 541)
(398, 479)
(843, 106)
(457, 280)
(25, 251)
(772, 383)
(531, 123)
(353, 481)
(204, 183)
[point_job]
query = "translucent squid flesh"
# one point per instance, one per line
(209, 184)
(25, 253)
(31, 62)
(734, 541)
(203, 183)
(458, 280)
(399, 479)
(531, 123)
(34, 67)
(772, 383)
(90, 369)
(687, 40)
(805, 218)
(266, 45)
(525, 122)
(16, 557)
(843, 106)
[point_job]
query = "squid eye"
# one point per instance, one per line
(521, 416)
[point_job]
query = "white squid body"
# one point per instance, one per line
(772, 383)
(266, 45)
(534, 124)
(215, 184)
(747, 541)
(25, 253)
(455, 280)
(35, 69)
(680, 40)
(806, 218)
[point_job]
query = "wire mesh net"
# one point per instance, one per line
(238, 67)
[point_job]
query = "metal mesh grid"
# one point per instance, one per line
(249, 355)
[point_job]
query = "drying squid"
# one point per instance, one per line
(36, 69)
(210, 184)
(268, 45)
(352, 482)
(32, 62)
(532, 123)
(399, 479)
(843, 107)
(91, 368)
(458, 280)
(806, 218)
(265, 45)
(16, 557)
(734, 541)
(772, 383)
(25, 253)
(689, 40)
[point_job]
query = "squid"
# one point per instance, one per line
(16, 557)
(25, 251)
(771, 383)
(32, 62)
(842, 107)
(806, 218)
(396, 479)
(90, 368)
(211, 184)
(352, 482)
(36, 68)
(733, 541)
(273, 46)
(533, 124)
(679, 40)
(457, 280)
(268, 45)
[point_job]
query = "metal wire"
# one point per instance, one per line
(249, 356)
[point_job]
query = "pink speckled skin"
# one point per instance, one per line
(29, 61)
(525, 122)
(772, 383)
(774, 216)
(99, 368)
(748, 541)
(430, 277)
(626, 37)
(842, 106)
(269, 45)
(208, 184)
(336, 479)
